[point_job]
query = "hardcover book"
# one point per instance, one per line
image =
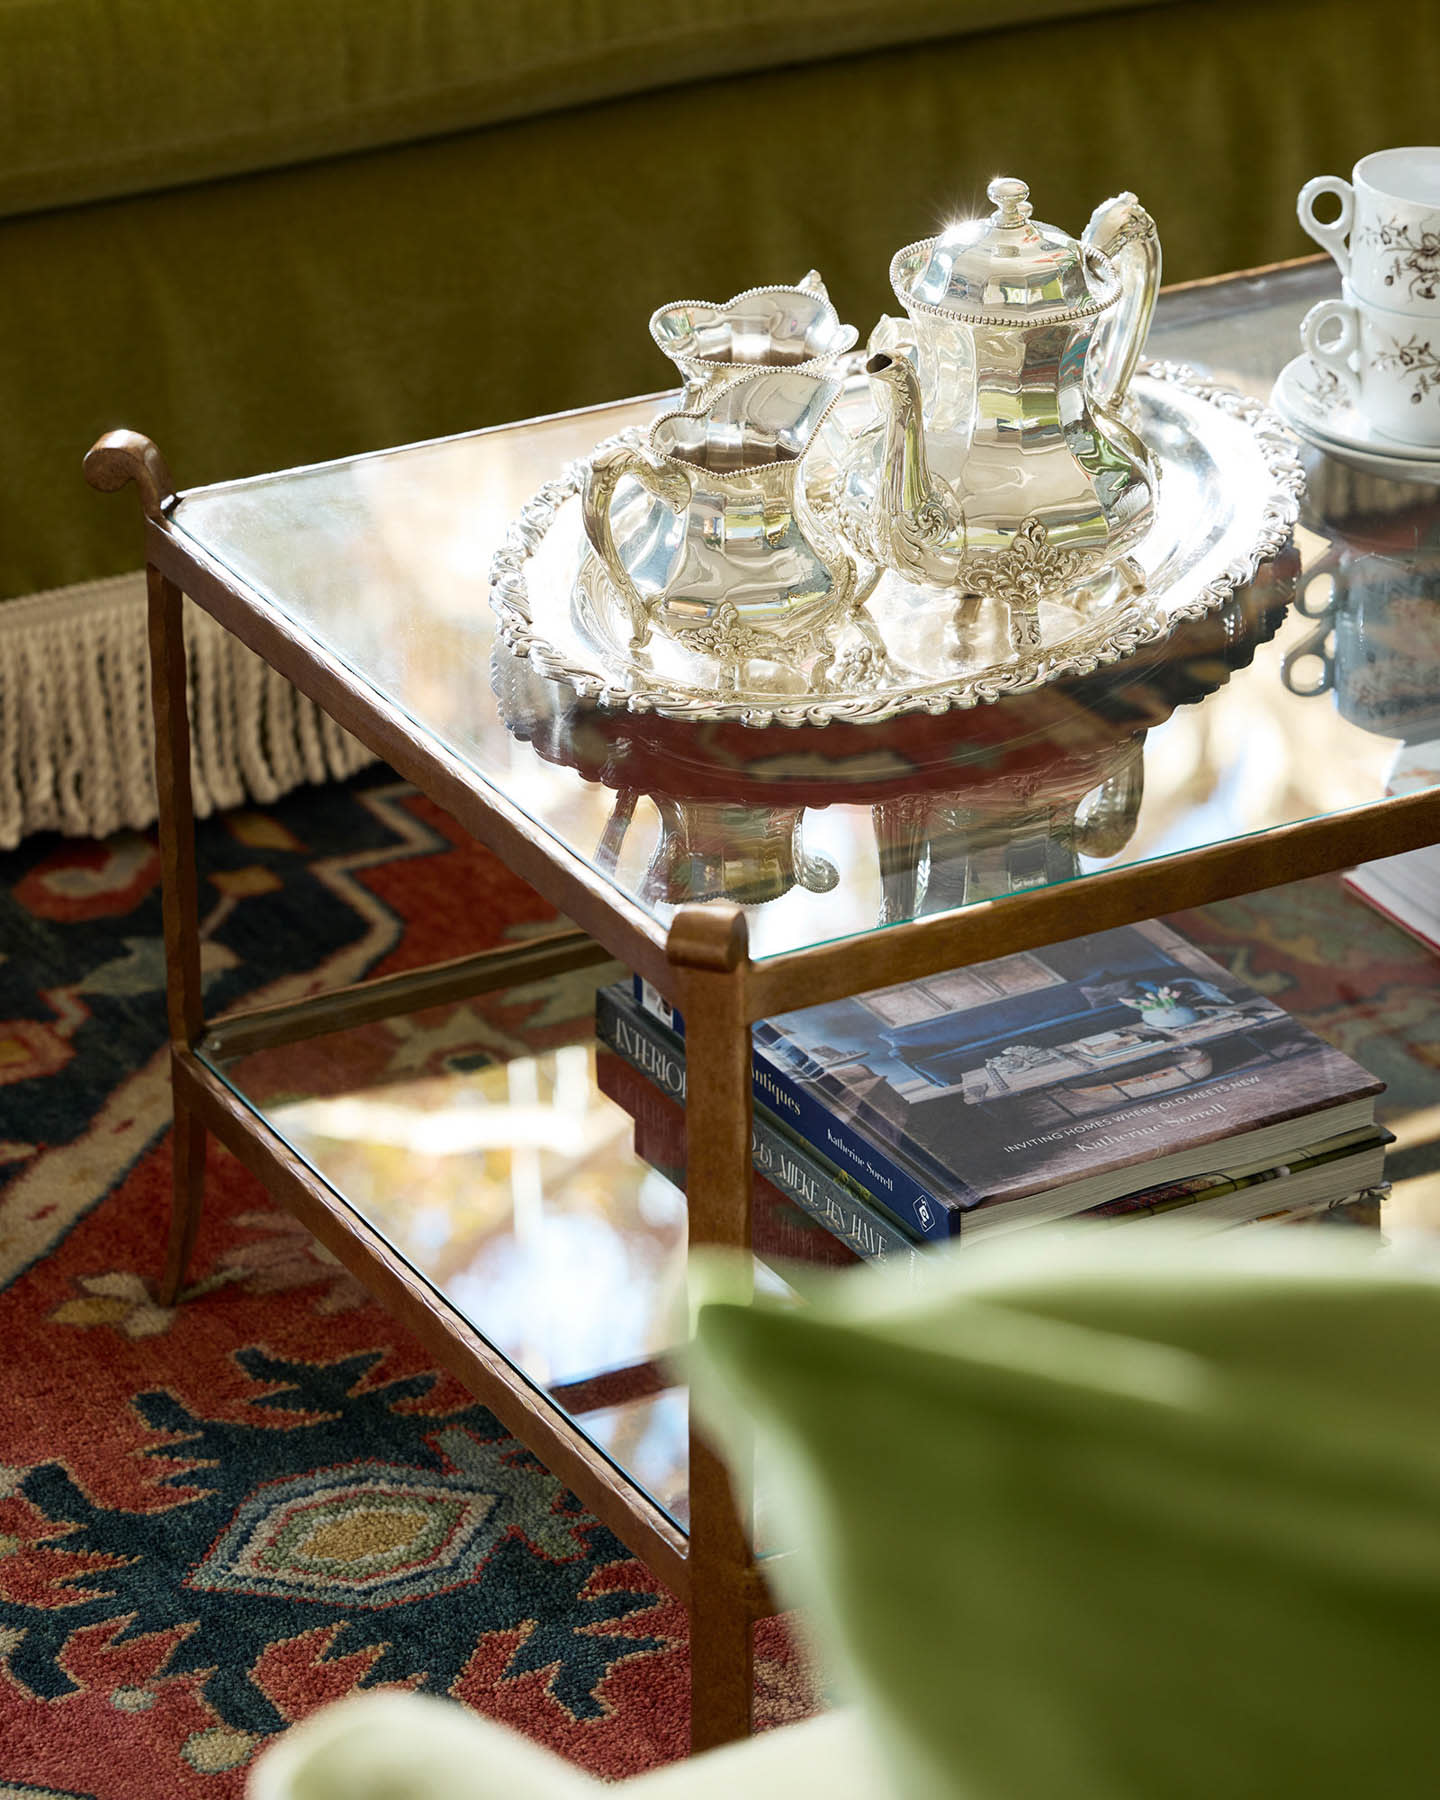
(781, 1228)
(647, 1078)
(645, 1049)
(1406, 889)
(1052, 1081)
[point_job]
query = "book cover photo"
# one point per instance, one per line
(1049, 1067)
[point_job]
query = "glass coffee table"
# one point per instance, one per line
(454, 1136)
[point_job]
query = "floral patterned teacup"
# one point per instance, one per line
(1388, 362)
(1386, 237)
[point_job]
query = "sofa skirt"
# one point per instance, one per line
(76, 737)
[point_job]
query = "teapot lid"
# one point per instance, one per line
(1006, 268)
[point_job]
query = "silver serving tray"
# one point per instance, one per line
(1230, 488)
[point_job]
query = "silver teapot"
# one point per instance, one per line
(1000, 462)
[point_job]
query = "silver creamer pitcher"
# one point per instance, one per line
(707, 532)
(1000, 462)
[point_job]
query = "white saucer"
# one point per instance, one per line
(1313, 404)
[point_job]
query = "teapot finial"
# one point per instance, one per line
(1011, 197)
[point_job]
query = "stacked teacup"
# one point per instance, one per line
(1382, 340)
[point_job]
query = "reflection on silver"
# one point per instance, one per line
(774, 327)
(998, 408)
(706, 530)
(729, 850)
(947, 850)
(1228, 496)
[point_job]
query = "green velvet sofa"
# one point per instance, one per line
(267, 232)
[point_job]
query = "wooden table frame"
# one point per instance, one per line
(701, 964)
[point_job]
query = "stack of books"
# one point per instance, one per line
(793, 1219)
(1118, 1076)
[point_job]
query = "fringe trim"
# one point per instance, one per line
(76, 736)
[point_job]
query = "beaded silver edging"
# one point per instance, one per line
(1133, 627)
(1002, 315)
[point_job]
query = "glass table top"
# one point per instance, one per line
(1314, 690)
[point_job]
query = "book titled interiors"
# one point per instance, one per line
(649, 1049)
(792, 1220)
(1053, 1080)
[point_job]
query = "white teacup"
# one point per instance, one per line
(1388, 362)
(1386, 239)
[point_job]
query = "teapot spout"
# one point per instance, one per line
(917, 527)
(1122, 231)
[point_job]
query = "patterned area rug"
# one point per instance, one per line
(215, 1519)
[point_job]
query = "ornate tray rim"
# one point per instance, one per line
(509, 595)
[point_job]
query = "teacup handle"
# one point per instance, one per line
(1332, 237)
(1334, 355)
(668, 482)
(1317, 644)
(1330, 564)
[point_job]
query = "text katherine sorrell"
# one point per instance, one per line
(1101, 1133)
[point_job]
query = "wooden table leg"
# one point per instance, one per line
(120, 457)
(709, 944)
(169, 701)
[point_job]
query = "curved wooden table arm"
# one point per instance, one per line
(122, 456)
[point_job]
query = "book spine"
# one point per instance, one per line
(645, 1044)
(808, 1119)
(865, 1230)
(779, 1228)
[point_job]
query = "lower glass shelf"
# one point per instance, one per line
(479, 1140)
(497, 1148)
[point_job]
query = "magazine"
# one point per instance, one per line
(1053, 1080)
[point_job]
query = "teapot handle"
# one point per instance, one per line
(1106, 816)
(668, 482)
(1121, 230)
(818, 875)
